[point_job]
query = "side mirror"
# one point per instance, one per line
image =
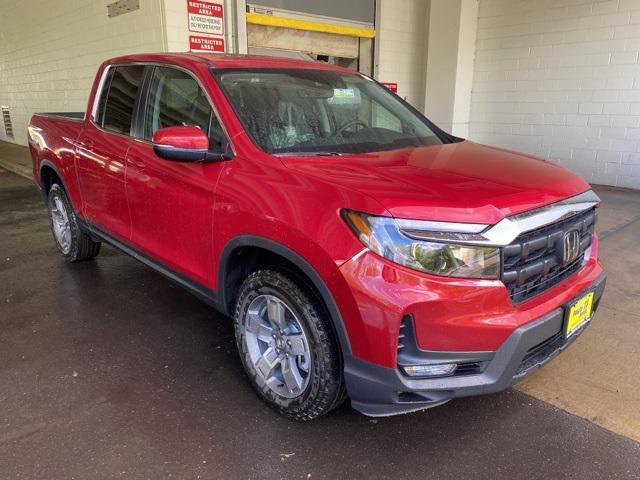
(186, 144)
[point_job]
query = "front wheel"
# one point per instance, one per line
(74, 244)
(287, 347)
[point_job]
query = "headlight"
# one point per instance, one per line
(388, 238)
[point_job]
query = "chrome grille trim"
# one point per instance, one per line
(534, 262)
(508, 229)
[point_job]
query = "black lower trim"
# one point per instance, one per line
(218, 299)
(380, 391)
(301, 263)
(206, 294)
(47, 163)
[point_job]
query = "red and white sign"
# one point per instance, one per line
(205, 17)
(391, 86)
(205, 44)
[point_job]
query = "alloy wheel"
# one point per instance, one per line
(60, 223)
(277, 345)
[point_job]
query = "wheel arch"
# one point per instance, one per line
(48, 173)
(228, 285)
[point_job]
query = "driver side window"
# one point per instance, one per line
(175, 98)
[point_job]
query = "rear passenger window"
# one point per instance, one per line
(121, 98)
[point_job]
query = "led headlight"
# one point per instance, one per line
(432, 247)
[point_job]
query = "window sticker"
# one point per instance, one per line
(345, 96)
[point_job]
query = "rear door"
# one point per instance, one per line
(102, 150)
(172, 202)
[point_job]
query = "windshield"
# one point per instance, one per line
(321, 112)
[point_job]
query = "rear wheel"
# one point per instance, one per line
(287, 347)
(74, 244)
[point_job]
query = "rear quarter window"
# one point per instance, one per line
(99, 113)
(121, 98)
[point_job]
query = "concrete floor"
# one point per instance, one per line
(16, 159)
(110, 371)
(599, 376)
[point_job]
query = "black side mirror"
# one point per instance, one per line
(220, 152)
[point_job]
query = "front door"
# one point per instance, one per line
(172, 202)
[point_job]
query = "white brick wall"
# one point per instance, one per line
(176, 25)
(50, 50)
(402, 47)
(561, 79)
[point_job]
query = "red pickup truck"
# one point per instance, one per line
(361, 251)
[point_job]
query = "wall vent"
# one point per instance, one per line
(6, 118)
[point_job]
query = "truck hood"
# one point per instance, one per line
(457, 182)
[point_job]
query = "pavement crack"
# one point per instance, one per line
(22, 432)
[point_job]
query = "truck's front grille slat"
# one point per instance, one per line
(541, 352)
(533, 262)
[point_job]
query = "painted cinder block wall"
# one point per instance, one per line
(402, 47)
(561, 79)
(50, 50)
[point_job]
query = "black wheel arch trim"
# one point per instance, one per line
(51, 165)
(283, 251)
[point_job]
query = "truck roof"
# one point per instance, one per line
(217, 60)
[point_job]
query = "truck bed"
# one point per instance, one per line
(52, 137)
(78, 116)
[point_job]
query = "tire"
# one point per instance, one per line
(321, 386)
(74, 244)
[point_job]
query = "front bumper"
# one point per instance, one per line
(379, 391)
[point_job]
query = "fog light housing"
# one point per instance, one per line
(439, 370)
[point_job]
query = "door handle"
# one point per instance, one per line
(136, 161)
(85, 141)
(85, 145)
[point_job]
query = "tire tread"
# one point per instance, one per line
(327, 389)
(83, 247)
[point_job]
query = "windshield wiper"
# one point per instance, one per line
(310, 153)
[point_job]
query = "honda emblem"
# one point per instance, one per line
(570, 246)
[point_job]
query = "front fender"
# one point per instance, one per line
(311, 273)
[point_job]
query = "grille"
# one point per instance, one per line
(401, 334)
(472, 368)
(532, 263)
(541, 352)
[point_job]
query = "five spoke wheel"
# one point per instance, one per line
(60, 223)
(74, 243)
(287, 346)
(277, 346)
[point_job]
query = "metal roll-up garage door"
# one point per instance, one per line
(309, 29)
